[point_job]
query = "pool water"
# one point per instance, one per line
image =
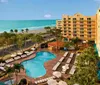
(35, 67)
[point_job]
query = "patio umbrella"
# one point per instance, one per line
(62, 83)
(52, 82)
(57, 74)
(75, 84)
(33, 49)
(13, 55)
(26, 52)
(19, 53)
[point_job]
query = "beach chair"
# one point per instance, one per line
(66, 53)
(56, 66)
(9, 60)
(18, 57)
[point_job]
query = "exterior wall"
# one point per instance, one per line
(98, 31)
(78, 25)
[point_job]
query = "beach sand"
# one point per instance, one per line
(42, 30)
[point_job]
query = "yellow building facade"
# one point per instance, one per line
(97, 39)
(78, 25)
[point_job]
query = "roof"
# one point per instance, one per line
(56, 43)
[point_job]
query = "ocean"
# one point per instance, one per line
(7, 25)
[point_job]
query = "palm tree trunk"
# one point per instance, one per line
(16, 77)
(10, 79)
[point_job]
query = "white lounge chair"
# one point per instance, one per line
(71, 55)
(2, 68)
(68, 60)
(23, 56)
(2, 64)
(65, 68)
(66, 53)
(56, 66)
(61, 59)
(18, 57)
(72, 71)
(9, 60)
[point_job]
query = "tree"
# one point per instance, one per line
(11, 31)
(22, 31)
(20, 42)
(86, 68)
(17, 67)
(57, 34)
(9, 71)
(16, 31)
(27, 30)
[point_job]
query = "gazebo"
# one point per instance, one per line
(55, 45)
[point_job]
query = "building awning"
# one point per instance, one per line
(56, 44)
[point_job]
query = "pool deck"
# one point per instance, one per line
(48, 65)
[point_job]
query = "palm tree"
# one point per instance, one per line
(11, 31)
(86, 68)
(17, 67)
(22, 31)
(27, 30)
(16, 31)
(20, 42)
(9, 71)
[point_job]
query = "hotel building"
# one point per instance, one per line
(97, 39)
(84, 27)
(78, 25)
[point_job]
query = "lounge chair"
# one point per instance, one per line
(72, 71)
(66, 53)
(2, 68)
(18, 57)
(68, 60)
(23, 56)
(9, 60)
(2, 64)
(71, 55)
(61, 59)
(56, 66)
(65, 69)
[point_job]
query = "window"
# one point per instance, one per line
(89, 22)
(81, 35)
(81, 22)
(69, 21)
(69, 25)
(74, 21)
(74, 25)
(68, 18)
(81, 19)
(64, 34)
(81, 25)
(64, 18)
(89, 25)
(81, 28)
(74, 18)
(88, 18)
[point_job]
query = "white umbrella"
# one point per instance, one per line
(75, 84)
(13, 55)
(33, 49)
(62, 83)
(57, 74)
(26, 52)
(19, 53)
(2, 68)
(52, 82)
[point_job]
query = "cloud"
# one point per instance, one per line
(47, 15)
(3, 1)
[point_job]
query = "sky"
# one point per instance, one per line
(45, 9)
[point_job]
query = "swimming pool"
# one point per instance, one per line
(35, 67)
